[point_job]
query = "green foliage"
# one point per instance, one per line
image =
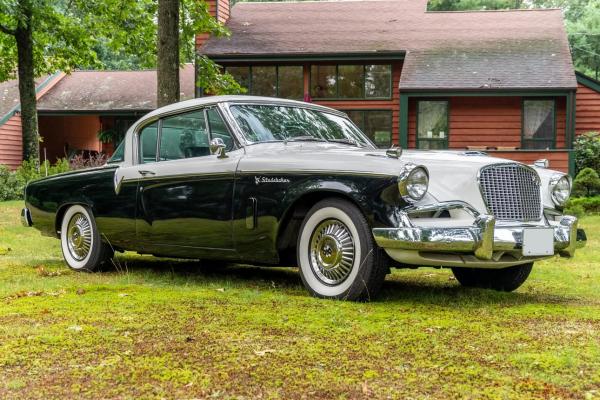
(587, 183)
(109, 136)
(213, 81)
(583, 206)
(587, 151)
(9, 185)
(100, 34)
(12, 184)
(459, 5)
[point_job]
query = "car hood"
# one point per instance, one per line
(330, 156)
(452, 174)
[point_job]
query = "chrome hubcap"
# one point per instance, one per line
(331, 252)
(79, 236)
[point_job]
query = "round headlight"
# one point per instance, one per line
(414, 182)
(560, 189)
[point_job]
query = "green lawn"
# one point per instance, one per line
(168, 329)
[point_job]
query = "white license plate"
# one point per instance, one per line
(538, 242)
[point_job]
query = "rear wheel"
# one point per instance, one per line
(506, 279)
(337, 256)
(81, 245)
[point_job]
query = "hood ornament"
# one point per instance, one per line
(394, 152)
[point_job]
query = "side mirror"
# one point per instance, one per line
(217, 146)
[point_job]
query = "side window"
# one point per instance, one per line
(184, 136)
(218, 128)
(148, 137)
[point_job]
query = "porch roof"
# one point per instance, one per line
(519, 49)
(102, 91)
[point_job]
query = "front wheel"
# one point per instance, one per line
(337, 256)
(505, 280)
(82, 247)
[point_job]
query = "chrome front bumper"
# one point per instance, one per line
(483, 238)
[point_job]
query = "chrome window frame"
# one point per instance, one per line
(226, 106)
(144, 123)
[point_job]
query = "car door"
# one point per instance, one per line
(184, 191)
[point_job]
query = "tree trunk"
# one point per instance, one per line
(168, 52)
(27, 95)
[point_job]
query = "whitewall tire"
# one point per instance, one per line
(82, 247)
(337, 256)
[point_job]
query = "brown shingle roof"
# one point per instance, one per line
(110, 91)
(9, 94)
(455, 50)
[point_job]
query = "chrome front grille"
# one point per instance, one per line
(511, 192)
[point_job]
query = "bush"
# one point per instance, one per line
(586, 151)
(583, 205)
(587, 183)
(10, 187)
(12, 184)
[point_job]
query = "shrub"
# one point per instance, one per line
(10, 187)
(12, 184)
(583, 205)
(587, 183)
(587, 149)
(81, 162)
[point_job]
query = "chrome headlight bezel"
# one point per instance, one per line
(410, 182)
(560, 182)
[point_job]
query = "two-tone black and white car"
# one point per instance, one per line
(277, 182)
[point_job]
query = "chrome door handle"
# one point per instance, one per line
(146, 173)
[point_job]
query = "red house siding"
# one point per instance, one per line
(11, 142)
(74, 132)
(490, 122)
(588, 110)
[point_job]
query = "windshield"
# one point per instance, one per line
(119, 154)
(267, 123)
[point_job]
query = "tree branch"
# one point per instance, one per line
(7, 30)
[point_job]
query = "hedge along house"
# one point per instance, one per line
(498, 81)
(74, 108)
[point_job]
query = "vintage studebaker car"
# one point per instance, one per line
(276, 182)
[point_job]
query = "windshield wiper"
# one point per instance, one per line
(351, 142)
(305, 138)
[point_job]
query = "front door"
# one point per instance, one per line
(185, 192)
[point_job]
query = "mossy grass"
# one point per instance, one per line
(159, 328)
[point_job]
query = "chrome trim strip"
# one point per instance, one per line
(313, 171)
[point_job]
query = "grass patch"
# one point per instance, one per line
(172, 329)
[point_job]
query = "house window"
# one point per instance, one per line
(351, 81)
(539, 124)
(432, 124)
(286, 81)
(376, 124)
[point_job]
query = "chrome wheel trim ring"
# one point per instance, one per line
(331, 252)
(79, 236)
